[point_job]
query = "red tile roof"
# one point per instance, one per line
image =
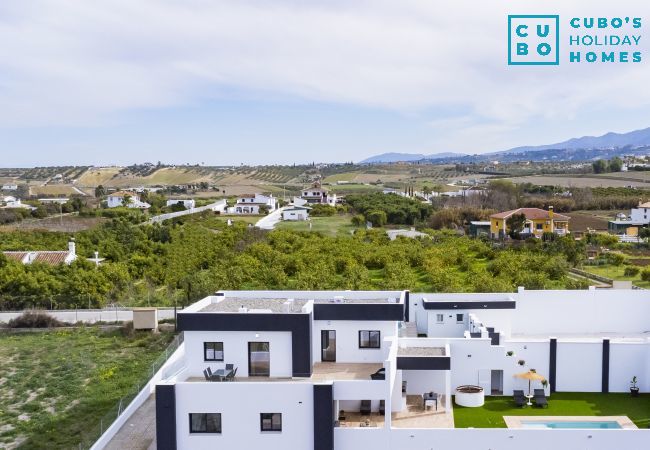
(53, 258)
(16, 256)
(531, 213)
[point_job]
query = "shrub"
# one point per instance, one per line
(358, 220)
(631, 271)
(34, 319)
(322, 210)
(645, 274)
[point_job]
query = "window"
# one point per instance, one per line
(213, 351)
(539, 226)
(271, 422)
(459, 318)
(440, 318)
(205, 422)
(369, 339)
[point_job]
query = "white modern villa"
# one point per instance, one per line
(353, 370)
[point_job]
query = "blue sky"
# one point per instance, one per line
(118, 82)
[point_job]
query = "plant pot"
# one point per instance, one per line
(634, 391)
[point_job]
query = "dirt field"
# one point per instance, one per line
(581, 220)
(579, 181)
(54, 190)
(65, 224)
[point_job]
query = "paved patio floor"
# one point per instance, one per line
(139, 432)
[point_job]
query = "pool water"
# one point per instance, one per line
(603, 424)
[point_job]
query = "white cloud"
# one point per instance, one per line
(71, 63)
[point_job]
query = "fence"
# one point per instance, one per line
(89, 438)
(216, 206)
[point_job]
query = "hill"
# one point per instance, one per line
(575, 149)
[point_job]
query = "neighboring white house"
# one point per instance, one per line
(45, 256)
(11, 202)
(117, 199)
(641, 213)
(250, 204)
(344, 370)
(296, 213)
(9, 187)
(188, 203)
(317, 195)
(411, 233)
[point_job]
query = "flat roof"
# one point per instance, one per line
(277, 305)
(421, 351)
(261, 305)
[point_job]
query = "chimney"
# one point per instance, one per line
(72, 247)
(550, 212)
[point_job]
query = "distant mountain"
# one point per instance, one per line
(638, 138)
(577, 149)
(399, 157)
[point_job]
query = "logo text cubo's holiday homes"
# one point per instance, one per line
(536, 40)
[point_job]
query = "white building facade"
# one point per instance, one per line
(125, 199)
(343, 370)
(251, 203)
(188, 203)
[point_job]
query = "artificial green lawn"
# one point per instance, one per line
(56, 385)
(491, 414)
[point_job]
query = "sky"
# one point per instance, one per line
(256, 82)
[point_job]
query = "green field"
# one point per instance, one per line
(491, 414)
(56, 385)
(244, 219)
(616, 273)
(327, 225)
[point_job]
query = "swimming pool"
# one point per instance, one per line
(572, 424)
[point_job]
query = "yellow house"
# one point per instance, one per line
(538, 222)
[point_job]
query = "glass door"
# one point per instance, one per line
(259, 359)
(328, 345)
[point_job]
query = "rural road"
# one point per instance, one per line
(269, 222)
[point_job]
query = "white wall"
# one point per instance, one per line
(235, 348)
(627, 360)
(579, 366)
(240, 405)
(483, 439)
(347, 339)
(421, 381)
(449, 327)
(588, 311)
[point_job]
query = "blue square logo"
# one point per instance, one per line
(533, 40)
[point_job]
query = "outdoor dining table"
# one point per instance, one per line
(222, 372)
(429, 396)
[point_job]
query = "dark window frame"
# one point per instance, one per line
(370, 345)
(272, 429)
(206, 424)
(462, 318)
(205, 351)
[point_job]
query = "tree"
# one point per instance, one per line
(100, 191)
(126, 200)
(615, 164)
(376, 218)
(644, 233)
(599, 166)
(515, 224)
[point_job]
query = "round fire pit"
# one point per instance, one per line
(470, 396)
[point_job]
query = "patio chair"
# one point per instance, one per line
(229, 367)
(519, 398)
(382, 407)
(231, 375)
(213, 376)
(540, 398)
(379, 375)
(365, 408)
(205, 374)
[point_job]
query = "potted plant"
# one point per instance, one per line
(545, 384)
(510, 353)
(521, 362)
(634, 389)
